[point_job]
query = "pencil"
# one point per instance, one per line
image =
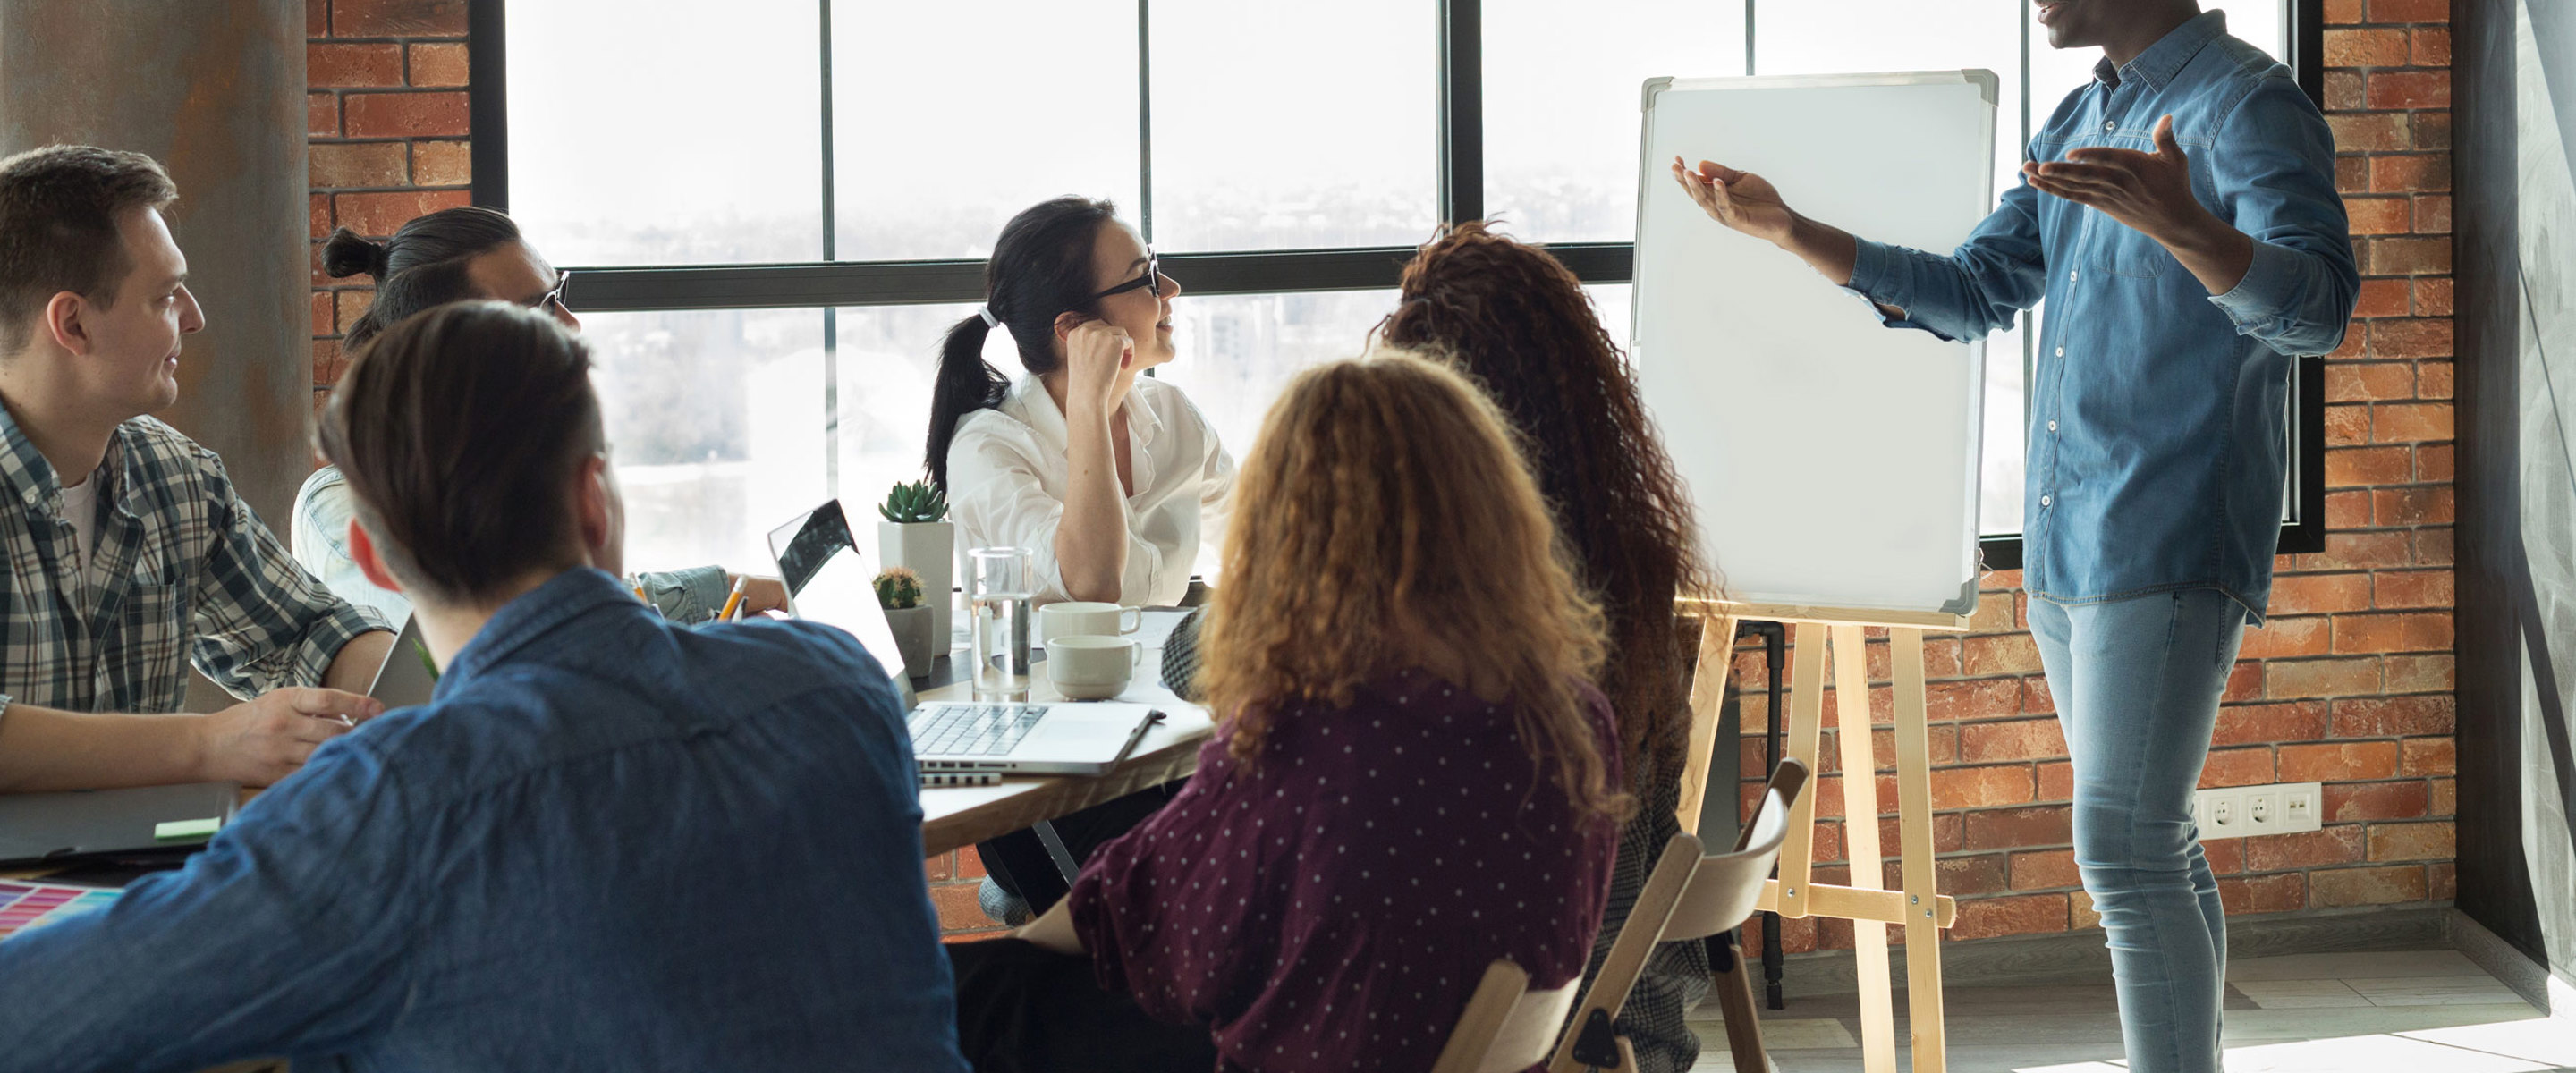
(733, 602)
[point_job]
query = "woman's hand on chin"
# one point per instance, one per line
(1095, 353)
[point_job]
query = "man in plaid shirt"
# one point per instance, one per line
(130, 554)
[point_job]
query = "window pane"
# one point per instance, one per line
(949, 118)
(716, 423)
(1561, 119)
(888, 357)
(1288, 126)
(656, 132)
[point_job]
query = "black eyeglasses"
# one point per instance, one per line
(1153, 277)
(553, 297)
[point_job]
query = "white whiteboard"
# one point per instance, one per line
(1832, 461)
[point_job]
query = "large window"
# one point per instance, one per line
(783, 204)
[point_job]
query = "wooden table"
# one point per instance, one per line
(960, 816)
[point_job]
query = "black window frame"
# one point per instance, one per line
(829, 285)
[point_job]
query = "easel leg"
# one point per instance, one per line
(1860, 843)
(1806, 740)
(1923, 1001)
(1707, 696)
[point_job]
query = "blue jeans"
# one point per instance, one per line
(2137, 684)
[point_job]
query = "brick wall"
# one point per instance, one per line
(2350, 684)
(387, 118)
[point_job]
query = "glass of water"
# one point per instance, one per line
(998, 588)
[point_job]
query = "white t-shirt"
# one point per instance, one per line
(80, 507)
(1007, 477)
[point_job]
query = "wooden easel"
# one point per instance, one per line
(1864, 901)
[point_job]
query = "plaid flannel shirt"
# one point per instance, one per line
(184, 571)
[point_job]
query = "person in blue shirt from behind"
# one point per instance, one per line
(607, 843)
(2179, 216)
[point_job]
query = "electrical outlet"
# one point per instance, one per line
(2240, 811)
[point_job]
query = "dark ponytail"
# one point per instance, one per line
(1040, 268)
(421, 266)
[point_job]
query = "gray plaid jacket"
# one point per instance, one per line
(185, 572)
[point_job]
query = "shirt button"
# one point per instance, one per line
(2070, 276)
(2052, 426)
(2061, 352)
(2110, 125)
(2043, 501)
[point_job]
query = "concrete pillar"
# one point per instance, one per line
(214, 89)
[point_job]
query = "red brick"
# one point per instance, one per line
(2079, 911)
(339, 65)
(2433, 297)
(2283, 637)
(2379, 298)
(377, 215)
(2436, 462)
(2034, 696)
(2344, 93)
(2360, 551)
(2395, 633)
(322, 313)
(2412, 506)
(957, 906)
(2347, 426)
(2433, 214)
(317, 18)
(2393, 717)
(2021, 914)
(318, 214)
(2354, 347)
(2269, 724)
(2409, 174)
(2432, 130)
(2343, 12)
(399, 18)
(2409, 256)
(2380, 215)
(2332, 844)
(2056, 781)
(2385, 885)
(429, 115)
(2020, 828)
(2226, 856)
(2432, 48)
(2408, 340)
(2409, 89)
(2020, 739)
(2368, 467)
(2264, 894)
(2352, 173)
(2422, 674)
(442, 163)
(2411, 422)
(2244, 683)
(347, 164)
(2045, 869)
(327, 362)
(2433, 379)
(1999, 581)
(970, 865)
(2237, 767)
(2365, 48)
(2370, 132)
(2442, 880)
(2353, 802)
(2010, 653)
(937, 868)
(353, 304)
(2433, 547)
(2446, 798)
(1973, 787)
(2434, 841)
(2371, 381)
(441, 64)
(2413, 588)
(322, 115)
(1958, 877)
(2347, 761)
(2320, 593)
(1985, 699)
(2429, 756)
(2403, 10)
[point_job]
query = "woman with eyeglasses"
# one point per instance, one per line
(457, 255)
(1110, 481)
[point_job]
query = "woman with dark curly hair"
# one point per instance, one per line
(1514, 319)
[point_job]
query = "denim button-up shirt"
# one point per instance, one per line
(2156, 412)
(609, 843)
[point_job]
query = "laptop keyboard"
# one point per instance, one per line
(972, 729)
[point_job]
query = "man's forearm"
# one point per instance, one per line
(354, 669)
(1829, 250)
(49, 749)
(2218, 255)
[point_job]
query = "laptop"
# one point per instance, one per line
(93, 824)
(405, 679)
(829, 581)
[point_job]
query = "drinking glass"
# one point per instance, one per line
(998, 588)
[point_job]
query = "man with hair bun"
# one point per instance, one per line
(131, 555)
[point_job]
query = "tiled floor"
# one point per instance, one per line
(2417, 1012)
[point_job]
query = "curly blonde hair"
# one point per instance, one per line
(1385, 521)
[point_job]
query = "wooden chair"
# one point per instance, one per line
(1507, 1027)
(1688, 897)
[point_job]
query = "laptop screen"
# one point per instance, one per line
(828, 581)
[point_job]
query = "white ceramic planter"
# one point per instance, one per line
(930, 550)
(912, 635)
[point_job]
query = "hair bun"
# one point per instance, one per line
(345, 254)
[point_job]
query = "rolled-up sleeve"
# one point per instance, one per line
(2275, 175)
(1000, 501)
(263, 621)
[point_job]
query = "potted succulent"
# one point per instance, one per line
(899, 593)
(916, 534)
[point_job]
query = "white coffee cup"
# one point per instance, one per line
(1092, 667)
(1083, 618)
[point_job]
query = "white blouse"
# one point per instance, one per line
(1007, 479)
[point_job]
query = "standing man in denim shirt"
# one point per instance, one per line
(609, 843)
(2180, 218)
